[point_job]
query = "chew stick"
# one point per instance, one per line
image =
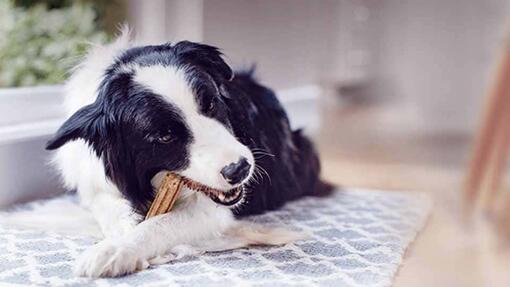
(166, 195)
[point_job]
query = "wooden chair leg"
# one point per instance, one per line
(491, 185)
(486, 140)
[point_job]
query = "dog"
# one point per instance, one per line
(137, 112)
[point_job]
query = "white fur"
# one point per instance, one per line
(57, 215)
(213, 146)
(196, 224)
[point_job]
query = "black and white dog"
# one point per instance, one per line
(136, 112)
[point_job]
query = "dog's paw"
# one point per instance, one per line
(110, 258)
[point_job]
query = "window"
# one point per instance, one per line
(41, 41)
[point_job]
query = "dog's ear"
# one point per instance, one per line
(128, 175)
(205, 56)
(87, 123)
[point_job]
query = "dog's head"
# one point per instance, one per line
(164, 108)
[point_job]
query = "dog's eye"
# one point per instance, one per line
(165, 139)
(210, 107)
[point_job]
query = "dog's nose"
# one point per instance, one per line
(235, 172)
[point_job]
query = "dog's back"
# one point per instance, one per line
(288, 166)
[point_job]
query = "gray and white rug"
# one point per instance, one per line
(358, 238)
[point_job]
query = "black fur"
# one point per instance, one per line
(126, 127)
(288, 157)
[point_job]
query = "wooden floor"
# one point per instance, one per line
(362, 147)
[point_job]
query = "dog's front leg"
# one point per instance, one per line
(195, 227)
(113, 213)
(188, 224)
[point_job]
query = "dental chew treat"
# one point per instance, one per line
(166, 195)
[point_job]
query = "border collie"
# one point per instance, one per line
(136, 112)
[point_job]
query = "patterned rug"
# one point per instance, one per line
(358, 239)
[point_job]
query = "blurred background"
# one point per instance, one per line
(391, 91)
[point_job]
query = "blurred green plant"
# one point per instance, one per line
(41, 40)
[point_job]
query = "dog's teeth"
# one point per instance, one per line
(217, 195)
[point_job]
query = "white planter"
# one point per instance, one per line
(28, 117)
(29, 112)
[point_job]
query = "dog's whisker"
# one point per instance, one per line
(259, 156)
(257, 180)
(266, 173)
(258, 173)
(254, 179)
(262, 170)
(261, 151)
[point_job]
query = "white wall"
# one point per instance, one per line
(293, 42)
(429, 58)
(435, 56)
(159, 21)
(286, 39)
(432, 59)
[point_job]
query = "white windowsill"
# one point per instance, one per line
(29, 112)
(34, 112)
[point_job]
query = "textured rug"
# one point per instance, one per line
(358, 238)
